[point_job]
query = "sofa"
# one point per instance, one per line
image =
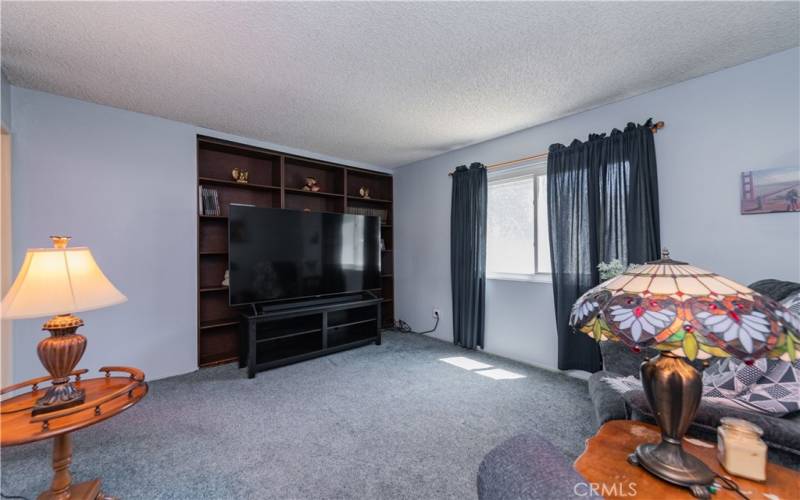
(782, 434)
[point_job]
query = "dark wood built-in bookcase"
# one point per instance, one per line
(275, 180)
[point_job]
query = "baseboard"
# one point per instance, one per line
(579, 374)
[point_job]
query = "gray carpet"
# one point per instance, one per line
(387, 421)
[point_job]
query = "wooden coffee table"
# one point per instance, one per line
(105, 397)
(604, 464)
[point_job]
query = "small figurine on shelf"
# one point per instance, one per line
(311, 185)
(226, 279)
(240, 175)
(364, 192)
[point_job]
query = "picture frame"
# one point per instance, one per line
(770, 190)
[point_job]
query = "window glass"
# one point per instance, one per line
(510, 228)
(517, 240)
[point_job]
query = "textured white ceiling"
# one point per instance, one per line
(380, 83)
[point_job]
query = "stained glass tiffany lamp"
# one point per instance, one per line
(684, 312)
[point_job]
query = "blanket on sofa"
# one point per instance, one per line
(768, 386)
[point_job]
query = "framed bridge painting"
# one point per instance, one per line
(771, 190)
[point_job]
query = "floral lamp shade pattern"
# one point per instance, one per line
(676, 307)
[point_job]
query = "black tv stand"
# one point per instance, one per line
(269, 307)
(274, 335)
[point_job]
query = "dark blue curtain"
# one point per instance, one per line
(468, 254)
(602, 198)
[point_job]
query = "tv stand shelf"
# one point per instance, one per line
(283, 334)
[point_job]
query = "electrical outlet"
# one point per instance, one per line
(436, 312)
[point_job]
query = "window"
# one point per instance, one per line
(517, 242)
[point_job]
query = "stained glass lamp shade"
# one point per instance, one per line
(673, 306)
(685, 312)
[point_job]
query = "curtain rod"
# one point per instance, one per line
(494, 166)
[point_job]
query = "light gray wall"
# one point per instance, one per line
(717, 126)
(6, 359)
(5, 102)
(123, 184)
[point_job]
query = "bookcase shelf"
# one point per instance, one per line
(218, 323)
(248, 185)
(313, 193)
(275, 180)
(369, 200)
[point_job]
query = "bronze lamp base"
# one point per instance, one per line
(59, 354)
(673, 389)
(671, 463)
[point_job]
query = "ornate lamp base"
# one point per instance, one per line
(671, 463)
(58, 397)
(673, 389)
(59, 354)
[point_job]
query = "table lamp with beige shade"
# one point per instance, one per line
(684, 312)
(58, 282)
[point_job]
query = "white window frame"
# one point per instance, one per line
(532, 170)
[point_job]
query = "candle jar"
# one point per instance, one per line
(740, 448)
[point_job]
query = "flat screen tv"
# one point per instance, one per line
(278, 254)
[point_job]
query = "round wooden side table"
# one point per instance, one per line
(604, 464)
(105, 397)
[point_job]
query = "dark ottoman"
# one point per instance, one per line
(527, 466)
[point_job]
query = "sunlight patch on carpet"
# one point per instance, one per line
(500, 374)
(465, 363)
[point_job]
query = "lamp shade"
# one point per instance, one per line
(673, 306)
(59, 281)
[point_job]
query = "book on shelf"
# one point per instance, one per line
(209, 201)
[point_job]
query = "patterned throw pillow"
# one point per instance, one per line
(792, 303)
(768, 386)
